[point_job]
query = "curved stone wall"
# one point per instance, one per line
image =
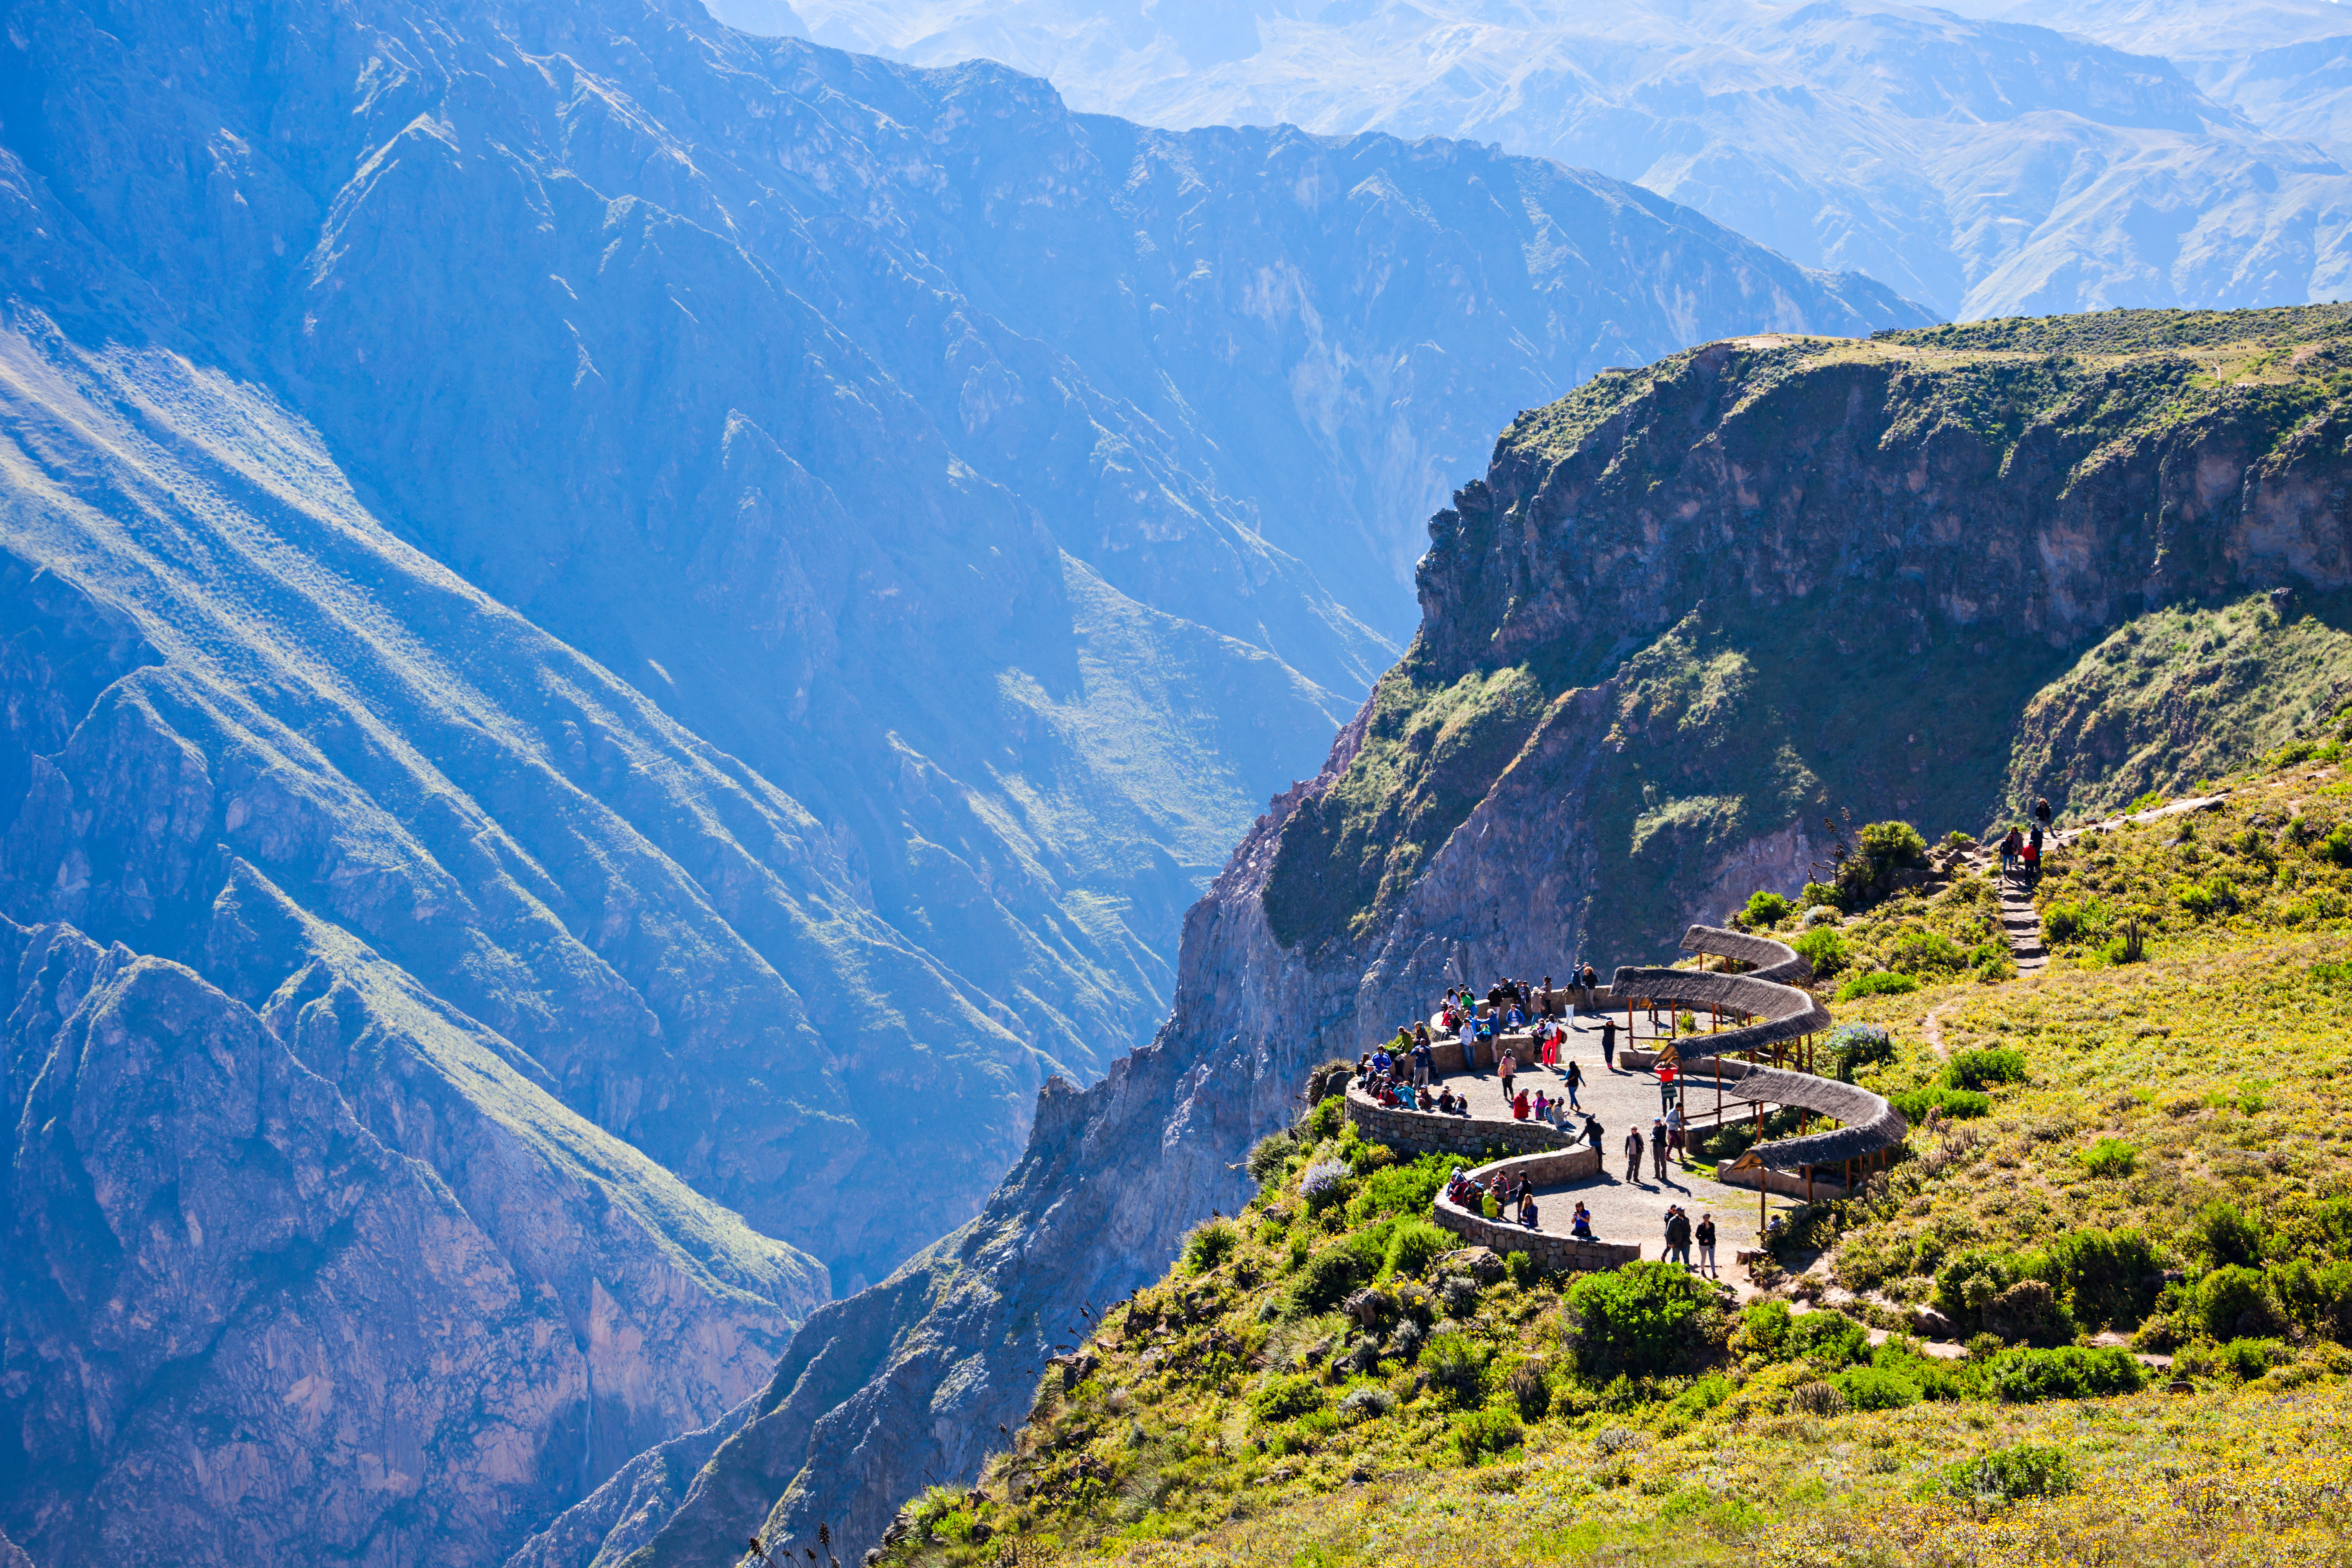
(1551, 1252)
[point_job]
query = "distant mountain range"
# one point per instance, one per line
(2145, 155)
(615, 639)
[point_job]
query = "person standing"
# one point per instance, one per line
(2041, 811)
(1550, 1002)
(1679, 1236)
(1593, 1133)
(1658, 1148)
(1469, 1044)
(1575, 1081)
(1707, 1246)
(1608, 1044)
(1633, 1154)
(1421, 1060)
(2033, 854)
(1506, 1065)
(1674, 1137)
(1665, 1085)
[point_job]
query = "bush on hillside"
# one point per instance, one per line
(1270, 1156)
(1876, 1388)
(1926, 952)
(2011, 1475)
(1286, 1399)
(1957, 1104)
(2068, 1372)
(1829, 1339)
(1455, 1365)
(2108, 1157)
(1985, 1065)
(1484, 1432)
(2234, 1301)
(1884, 982)
(1402, 1188)
(1414, 1244)
(1764, 911)
(1647, 1318)
(1210, 1244)
(1854, 1046)
(1326, 1278)
(2224, 1234)
(1822, 948)
(1323, 1184)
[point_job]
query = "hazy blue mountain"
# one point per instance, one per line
(1987, 166)
(655, 628)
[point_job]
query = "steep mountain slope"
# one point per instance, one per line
(1688, 612)
(928, 475)
(662, 626)
(1984, 166)
(250, 1317)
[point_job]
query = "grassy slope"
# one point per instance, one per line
(2217, 1062)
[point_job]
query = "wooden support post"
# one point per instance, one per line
(1809, 1183)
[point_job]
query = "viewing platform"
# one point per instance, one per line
(1753, 1062)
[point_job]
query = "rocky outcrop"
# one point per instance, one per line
(1687, 612)
(248, 1318)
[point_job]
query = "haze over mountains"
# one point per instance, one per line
(2149, 154)
(616, 639)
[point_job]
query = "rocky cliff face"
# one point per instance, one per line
(1688, 612)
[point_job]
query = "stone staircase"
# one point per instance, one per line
(2022, 926)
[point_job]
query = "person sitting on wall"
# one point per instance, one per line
(1405, 1096)
(1580, 1225)
(1382, 1062)
(1527, 1210)
(1385, 1093)
(1544, 1103)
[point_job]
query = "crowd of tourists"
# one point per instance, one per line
(1514, 1016)
(2020, 851)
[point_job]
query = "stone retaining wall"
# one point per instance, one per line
(1552, 1252)
(1433, 1132)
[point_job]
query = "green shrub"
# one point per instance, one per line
(1645, 1319)
(1763, 1331)
(1270, 1156)
(1414, 1244)
(2067, 1372)
(1764, 911)
(1328, 1276)
(2337, 847)
(2234, 1301)
(2108, 1157)
(1817, 895)
(1926, 952)
(2107, 1276)
(1210, 1244)
(2010, 1475)
(1286, 1398)
(1854, 1046)
(2224, 1234)
(1829, 1339)
(1876, 1388)
(1486, 1432)
(2194, 897)
(2248, 1359)
(1884, 982)
(1957, 1104)
(2315, 1296)
(1822, 948)
(1455, 1365)
(1324, 1183)
(1521, 1268)
(1985, 1065)
(1402, 1188)
(1330, 1113)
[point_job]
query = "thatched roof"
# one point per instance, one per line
(1778, 1012)
(1766, 959)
